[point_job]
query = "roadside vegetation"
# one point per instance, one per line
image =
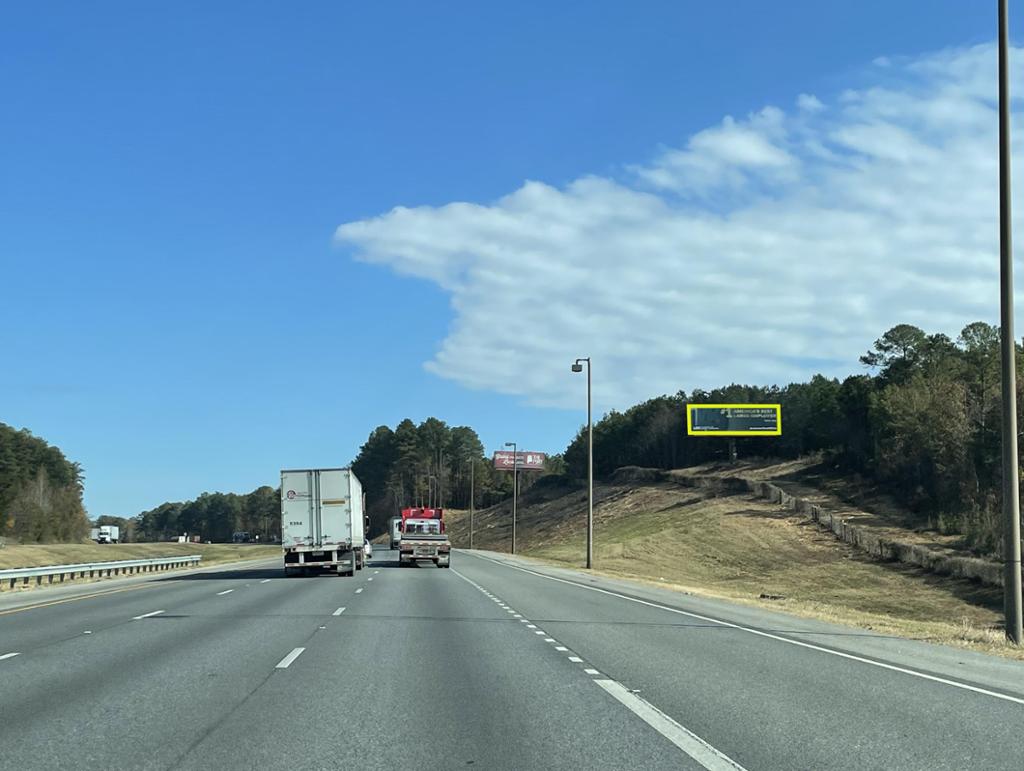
(37, 555)
(740, 548)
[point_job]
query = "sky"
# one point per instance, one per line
(236, 237)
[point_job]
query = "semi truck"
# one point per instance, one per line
(395, 531)
(322, 521)
(105, 534)
(423, 538)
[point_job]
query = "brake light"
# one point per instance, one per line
(444, 548)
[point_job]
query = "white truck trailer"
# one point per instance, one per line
(108, 534)
(322, 521)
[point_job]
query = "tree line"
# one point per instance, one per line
(923, 422)
(40, 490)
(430, 464)
(212, 516)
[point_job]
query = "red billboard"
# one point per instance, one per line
(524, 461)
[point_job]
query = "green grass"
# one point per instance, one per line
(38, 555)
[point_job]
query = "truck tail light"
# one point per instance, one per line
(443, 549)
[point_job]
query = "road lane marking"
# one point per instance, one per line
(265, 580)
(530, 626)
(87, 631)
(360, 589)
(550, 639)
(770, 636)
(591, 671)
(9, 656)
(575, 659)
(75, 599)
(338, 612)
(561, 648)
(540, 631)
(147, 615)
(226, 591)
(370, 578)
(684, 739)
(287, 660)
(525, 621)
(516, 615)
(375, 572)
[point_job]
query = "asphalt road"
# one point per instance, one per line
(494, 664)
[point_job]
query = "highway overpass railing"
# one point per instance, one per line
(10, 578)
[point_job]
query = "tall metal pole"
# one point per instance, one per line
(590, 477)
(472, 498)
(1011, 499)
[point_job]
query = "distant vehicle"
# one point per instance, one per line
(322, 521)
(367, 549)
(423, 538)
(240, 537)
(108, 534)
(94, 534)
(395, 532)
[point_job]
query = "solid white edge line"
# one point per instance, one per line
(287, 660)
(9, 656)
(147, 615)
(684, 739)
(769, 635)
(226, 591)
(338, 612)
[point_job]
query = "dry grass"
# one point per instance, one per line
(744, 549)
(36, 555)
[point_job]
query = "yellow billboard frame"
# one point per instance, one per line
(691, 432)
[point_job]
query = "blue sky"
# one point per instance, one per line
(178, 314)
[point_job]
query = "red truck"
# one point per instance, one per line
(423, 538)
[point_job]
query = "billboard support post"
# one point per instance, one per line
(515, 489)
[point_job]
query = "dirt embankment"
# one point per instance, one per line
(723, 537)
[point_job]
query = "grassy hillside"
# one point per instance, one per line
(741, 548)
(34, 555)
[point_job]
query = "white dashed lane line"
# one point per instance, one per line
(338, 612)
(265, 581)
(287, 660)
(147, 615)
(687, 741)
(226, 591)
(9, 656)
(360, 589)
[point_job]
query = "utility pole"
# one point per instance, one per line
(472, 497)
(1011, 498)
(515, 489)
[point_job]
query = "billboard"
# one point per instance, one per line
(526, 461)
(734, 419)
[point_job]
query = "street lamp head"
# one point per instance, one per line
(577, 367)
(510, 444)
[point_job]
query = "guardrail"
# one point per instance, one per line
(10, 577)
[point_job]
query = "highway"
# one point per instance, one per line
(498, 663)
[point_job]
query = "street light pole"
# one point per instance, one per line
(515, 489)
(577, 367)
(472, 498)
(1011, 498)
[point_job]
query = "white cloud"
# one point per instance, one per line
(763, 250)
